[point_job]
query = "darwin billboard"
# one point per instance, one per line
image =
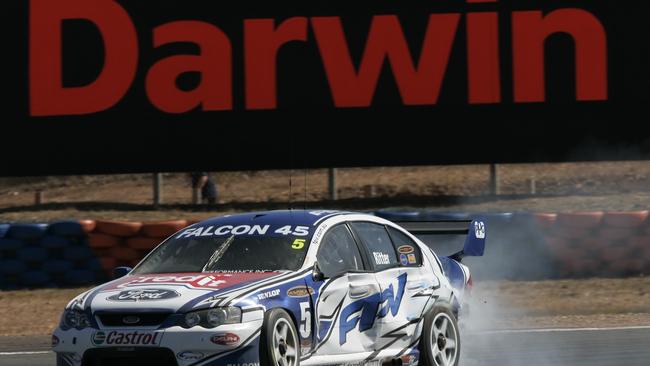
(168, 85)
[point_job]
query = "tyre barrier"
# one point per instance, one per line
(32, 254)
(520, 246)
(44, 255)
(118, 228)
(162, 229)
(3, 230)
(66, 228)
(55, 242)
(26, 231)
(57, 266)
(7, 244)
(35, 278)
(142, 242)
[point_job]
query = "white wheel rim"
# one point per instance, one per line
(444, 340)
(285, 351)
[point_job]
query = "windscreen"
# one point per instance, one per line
(226, 253)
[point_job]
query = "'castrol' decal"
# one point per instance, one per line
(129, 338)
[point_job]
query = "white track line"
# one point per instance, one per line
(23, 353)
(551, 330)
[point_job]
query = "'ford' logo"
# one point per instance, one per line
(190, 356)
(131, 319)
(144, 295)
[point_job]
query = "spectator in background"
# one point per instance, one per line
(203, 181)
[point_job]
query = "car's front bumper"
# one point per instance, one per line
(226, 344)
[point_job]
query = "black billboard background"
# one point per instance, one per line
(306, 130)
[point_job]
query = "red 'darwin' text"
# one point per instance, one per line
(419, 81)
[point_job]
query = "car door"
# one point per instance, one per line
(347, 303)
(400, 281)
(421, 280)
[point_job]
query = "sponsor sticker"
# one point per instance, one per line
(381, 258)
(98, 338)
(403, 260)
(300, 291)
(126, 338)
(411, 258)
(268, 294)
(408, 360)
(225, 339)
(144, 295)
(190, 356)
(197, 280)
(405, 249)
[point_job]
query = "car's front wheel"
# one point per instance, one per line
(440, 339)
(279, 344)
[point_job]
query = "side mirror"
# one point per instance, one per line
(316, 274)
(119, 272)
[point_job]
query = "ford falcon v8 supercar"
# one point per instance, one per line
(280, 288)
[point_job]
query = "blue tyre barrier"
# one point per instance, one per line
(92, 265)
(10, 244)
(26, 231)
(77, 253)
(3, 229)
(35, 278)
(66, 228)
(57, 266)
(12, 266)
(54, 242)
(80, 277)
(398, 215)
(32, 254)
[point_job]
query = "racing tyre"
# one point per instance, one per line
(279, 343)
(440, 339)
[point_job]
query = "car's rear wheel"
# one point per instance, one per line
(279, 343)
(440, 339)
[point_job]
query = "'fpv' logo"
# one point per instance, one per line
(366, 310)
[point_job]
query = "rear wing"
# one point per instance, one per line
(474, 229)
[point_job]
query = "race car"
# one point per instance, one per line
(279, 288)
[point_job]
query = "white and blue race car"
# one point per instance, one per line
(280, 288)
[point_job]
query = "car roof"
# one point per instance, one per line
(274, 218)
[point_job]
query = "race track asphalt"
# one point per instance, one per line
(577, 347)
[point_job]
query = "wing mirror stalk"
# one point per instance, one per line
(316, 274)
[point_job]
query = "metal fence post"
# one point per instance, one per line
(333, 190)
(157, 189)
(494, 180)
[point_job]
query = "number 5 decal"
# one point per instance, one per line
(305, 320)
(298, 244)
